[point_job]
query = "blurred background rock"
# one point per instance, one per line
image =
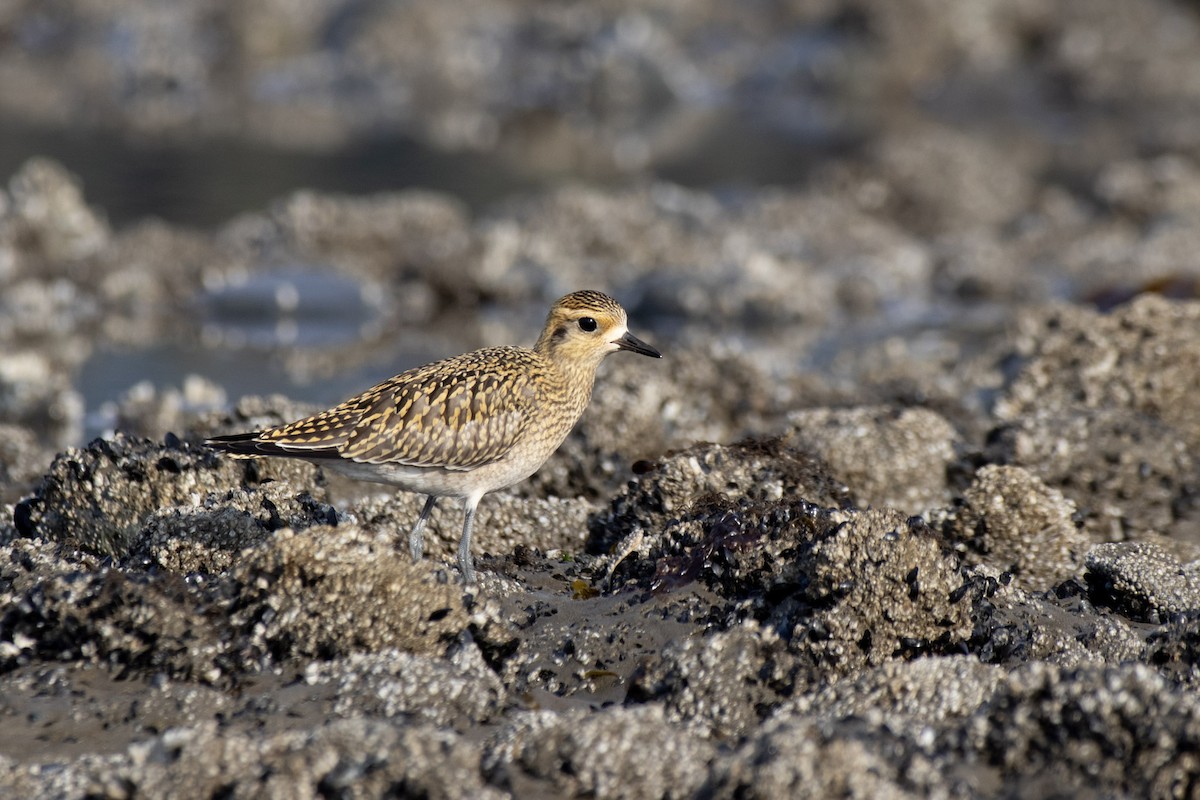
(849, 200)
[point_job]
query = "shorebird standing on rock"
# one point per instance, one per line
(463, 426)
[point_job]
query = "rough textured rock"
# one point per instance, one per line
(901, 693)
(389, 683)
(1053, 722)
(728, 681)
(125, 496)
(331, 591)
(1141, 358)
(131, 623)
(23, 459)
(615, 752)
(1143, 580)
(419, 240)
(917, 446)
(798, 755)
(502, 523)
(878, 585)
(46, 209)
(755, 470)
(1013, 522)
(366, 757)
(1174, 650)
(1101, 408)
(966, 162)
(35, 395)
(1124, 471)
(1062, 627)
(324, 593)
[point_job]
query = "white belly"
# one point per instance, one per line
(444, 482)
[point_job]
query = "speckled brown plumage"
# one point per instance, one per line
(463, 426)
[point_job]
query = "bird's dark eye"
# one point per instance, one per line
(587, 323)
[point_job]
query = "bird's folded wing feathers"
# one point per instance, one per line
(460, 420)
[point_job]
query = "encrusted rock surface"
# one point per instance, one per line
(915, 445)
(1144, 580)
(1013, 522)
(657, 614)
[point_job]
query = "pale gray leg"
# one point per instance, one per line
(416, 537)
(464, 546)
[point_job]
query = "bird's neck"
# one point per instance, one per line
(578, 377)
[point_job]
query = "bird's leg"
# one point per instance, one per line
(464, 546)
(416, 537)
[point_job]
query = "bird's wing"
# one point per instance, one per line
(457, 414)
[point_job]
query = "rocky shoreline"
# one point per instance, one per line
(938, 597)
(910, 508)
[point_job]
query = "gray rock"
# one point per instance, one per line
(797, 755)
(1143, 580)
(878, 586)
(608, 753)
(1013, 522)
(367, 757)
(454, 692)
(111, 495)
(889, 457)
(46, 208)
(427, 234)
(332, 591)
(82, 612)
(1174, 650)
(904, 694)
(669, 488)
(1138, 360)
(726, 682)
(502, 523)
(1062, 627)
(1126, 471)
(35, 395)
(23, 460)
(935, 170)
(1047, 723)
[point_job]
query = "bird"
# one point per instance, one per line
(463, 426)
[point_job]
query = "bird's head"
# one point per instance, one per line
(584, 327)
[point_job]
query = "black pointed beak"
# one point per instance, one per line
(635, 345)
